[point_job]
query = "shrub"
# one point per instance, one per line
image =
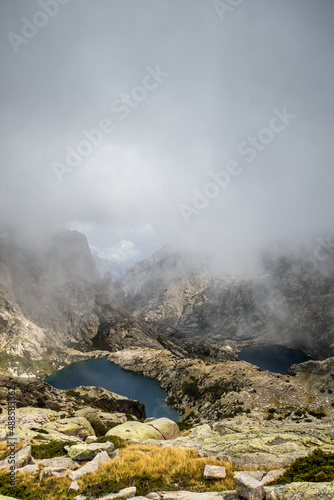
(318, 415)
(49, 450)
(191, 389)
(318, 467)
(117, 441)
(184, 426)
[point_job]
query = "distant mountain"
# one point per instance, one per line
(287, 303)
(52, 296)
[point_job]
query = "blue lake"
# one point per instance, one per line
(274, 358)
(103, 373)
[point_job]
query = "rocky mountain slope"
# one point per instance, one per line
(52, 298)
(206, 392)
(285, 302)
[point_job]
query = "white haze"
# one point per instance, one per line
(225, 78)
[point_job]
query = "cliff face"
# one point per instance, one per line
(285, 303)
(52, 296)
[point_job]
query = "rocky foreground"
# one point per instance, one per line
(259, 445)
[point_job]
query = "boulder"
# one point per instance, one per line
(135, 430)
(214, 472)
(168, 428)
(93, 418)
(272, 476)
(90, 466)
(160, 428)
(81, 452)
(23, 457)
(58, 462)
(248, 487)
(75, 426)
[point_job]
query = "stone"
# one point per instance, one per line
(92, 416)
(256, 474)
(73, 487)
(30, 469)
(271, 495)
(168, 428)
(214, 472)
(90, 439)
(58, 462)
(153, 496)
(272, 476)
(201, 431)
(75, 426)
(115, 454)
(248, 487)
(22, 457)
(3, 435)
(85, 452)
(135, 430)
(91, 466)
(122, 494)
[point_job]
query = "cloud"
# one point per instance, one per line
(224, 81)
(123, 251)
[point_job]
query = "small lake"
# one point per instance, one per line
(104, 373)
(274, 358)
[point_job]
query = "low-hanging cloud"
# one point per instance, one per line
(213, 113)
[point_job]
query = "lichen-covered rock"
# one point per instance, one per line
(305, 491)
(92, 416)
(76, 426)
(135, 430)
(82, 452)
(168, 428)
(23, 457)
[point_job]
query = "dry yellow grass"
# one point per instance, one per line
(151, 468)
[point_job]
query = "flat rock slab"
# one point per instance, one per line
(248, 487)
(304, 491)
(214, 472)
(91, 466)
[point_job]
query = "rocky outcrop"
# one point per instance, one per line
(52, 297)
(161, 428)
(207, 392)
(37, 393)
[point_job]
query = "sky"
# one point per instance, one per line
(144, 122)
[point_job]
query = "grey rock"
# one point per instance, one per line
(74, 486)
(89, 451)
(22, 457)
(214, 472)
(248, 487)
(91, 466)
(272, 476)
